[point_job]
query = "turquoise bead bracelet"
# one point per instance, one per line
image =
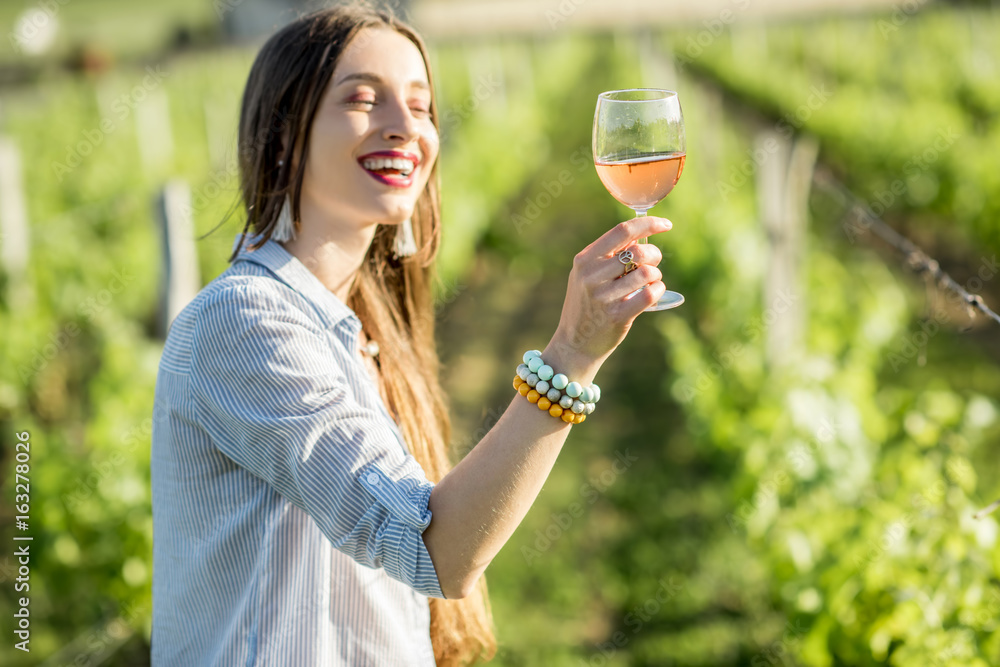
(557, 387)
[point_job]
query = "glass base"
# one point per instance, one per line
(666, 302)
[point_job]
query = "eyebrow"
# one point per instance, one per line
(374, 78)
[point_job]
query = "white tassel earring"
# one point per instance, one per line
(284, 230)
(404, 245)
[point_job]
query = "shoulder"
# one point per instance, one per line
(254, 320)
(243, 300)
(253, 327)
(244, 321)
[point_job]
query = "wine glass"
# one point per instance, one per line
(639, 153)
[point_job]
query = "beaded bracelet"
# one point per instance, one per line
(541, 377)
(541, 385)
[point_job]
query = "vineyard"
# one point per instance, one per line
(738, 509)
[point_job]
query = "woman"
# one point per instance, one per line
(299, 446)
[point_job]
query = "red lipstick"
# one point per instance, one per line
(391, 167)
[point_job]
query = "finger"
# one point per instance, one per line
(644, 299)
(610, 268)
(624, 233)
(625, 310)
(616, 290)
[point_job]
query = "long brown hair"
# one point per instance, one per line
(391, 296)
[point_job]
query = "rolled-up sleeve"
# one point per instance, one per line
(270, 393)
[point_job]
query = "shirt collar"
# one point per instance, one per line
(273, 256)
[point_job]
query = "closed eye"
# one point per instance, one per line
(418, 108)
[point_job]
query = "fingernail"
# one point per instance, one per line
(667, 224)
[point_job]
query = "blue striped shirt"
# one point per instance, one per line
(287, 511)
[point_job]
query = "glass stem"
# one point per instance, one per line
(641, 213)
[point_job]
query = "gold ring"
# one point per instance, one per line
(626, 257)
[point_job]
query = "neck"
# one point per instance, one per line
(332, 250)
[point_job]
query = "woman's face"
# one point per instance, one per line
(372, 144)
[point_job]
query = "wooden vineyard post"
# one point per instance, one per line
(783, 182)
(180, 278)
(14, 242)
(152, 128)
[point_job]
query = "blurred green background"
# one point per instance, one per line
(805, 449)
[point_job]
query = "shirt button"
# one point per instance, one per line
(372, 478)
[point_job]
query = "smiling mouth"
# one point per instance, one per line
(390, 167)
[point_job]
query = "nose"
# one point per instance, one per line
(400, 123)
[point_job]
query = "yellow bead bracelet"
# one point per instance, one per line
(544, 403)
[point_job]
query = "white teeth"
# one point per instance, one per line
(402, 165)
